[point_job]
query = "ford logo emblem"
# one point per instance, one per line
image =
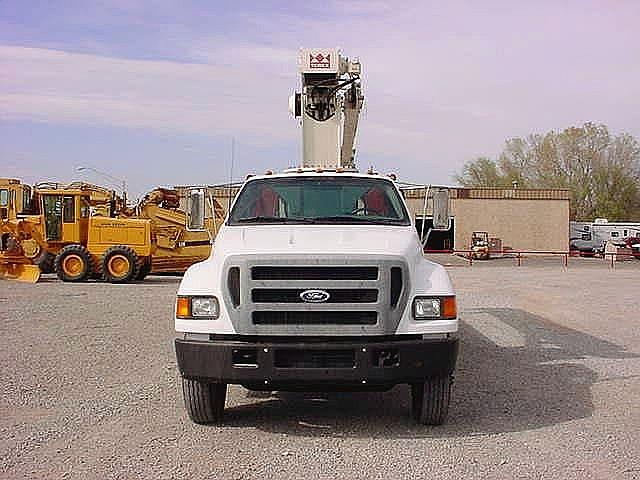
(314, 296)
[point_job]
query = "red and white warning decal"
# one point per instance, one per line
(319, 60)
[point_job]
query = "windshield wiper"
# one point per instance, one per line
(268, 219)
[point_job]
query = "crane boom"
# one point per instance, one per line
(328, 107)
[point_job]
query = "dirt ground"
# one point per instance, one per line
(547, 387)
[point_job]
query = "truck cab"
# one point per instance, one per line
(317, 281)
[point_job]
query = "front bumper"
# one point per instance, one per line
(294, 364)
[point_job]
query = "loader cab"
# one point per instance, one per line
(15, 198)
(4, 203)
(66, 215)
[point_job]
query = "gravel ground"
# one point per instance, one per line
(547, 387)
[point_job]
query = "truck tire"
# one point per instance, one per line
(144, 270)
(73, 263)
(430, 400)
(45, 261)
(204, 401)
(119, 264)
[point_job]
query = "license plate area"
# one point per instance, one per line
(296, 358)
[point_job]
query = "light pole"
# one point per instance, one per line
(120, 182)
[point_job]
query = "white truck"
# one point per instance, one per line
(317, 281)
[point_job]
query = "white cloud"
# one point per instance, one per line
(55, 86)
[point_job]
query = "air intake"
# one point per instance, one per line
(233, 283)
(396, 286)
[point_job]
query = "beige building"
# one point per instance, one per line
(524, 219)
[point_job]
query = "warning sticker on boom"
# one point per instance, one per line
(319, 61)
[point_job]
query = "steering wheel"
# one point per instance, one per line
(365, 210)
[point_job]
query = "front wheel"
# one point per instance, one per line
(204, 401)
(44, 260)
(430, 400)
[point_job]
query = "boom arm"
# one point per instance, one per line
(328, 108)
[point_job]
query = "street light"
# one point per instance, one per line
(120, 182)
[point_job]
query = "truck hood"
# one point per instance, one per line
(318, 240)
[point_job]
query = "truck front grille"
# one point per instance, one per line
(292, 295)
(303, 317)
(314, 273)
(366, 296)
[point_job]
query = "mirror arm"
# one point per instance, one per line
(213, 214)
(427, 188)
(425, 239)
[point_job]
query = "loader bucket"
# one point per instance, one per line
(19, 271)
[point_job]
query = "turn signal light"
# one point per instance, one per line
(183, 307)
(449, 309)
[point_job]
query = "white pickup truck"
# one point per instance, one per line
(317, 281)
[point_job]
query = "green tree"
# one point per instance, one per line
(601, 171)
(482, 172)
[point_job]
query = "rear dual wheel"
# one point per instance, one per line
(145, 269)
(120, 264)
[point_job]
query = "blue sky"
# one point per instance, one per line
(153, 91)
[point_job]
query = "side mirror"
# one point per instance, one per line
(441, 217)
(195, 210)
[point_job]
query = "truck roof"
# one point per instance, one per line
(314, 173)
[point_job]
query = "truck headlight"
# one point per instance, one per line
(205, 308)
(434, 308)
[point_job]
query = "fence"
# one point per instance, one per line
(519, 255)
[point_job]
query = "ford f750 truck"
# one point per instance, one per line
(317, 281)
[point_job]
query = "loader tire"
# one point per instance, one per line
(430, 400)
(119, 264)
(45, 261)
(204, 401)
(73, 263)
(144, 270)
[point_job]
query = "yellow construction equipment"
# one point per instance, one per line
(15, 198)
(86, 220)
(14, 265)
(176, 247)
(61, 230)
(480, 246)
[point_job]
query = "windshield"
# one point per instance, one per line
(348, 200)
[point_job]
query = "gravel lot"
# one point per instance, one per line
(547, 387)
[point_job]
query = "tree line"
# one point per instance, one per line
(600, 170)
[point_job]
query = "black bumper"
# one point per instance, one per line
(291, 365)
